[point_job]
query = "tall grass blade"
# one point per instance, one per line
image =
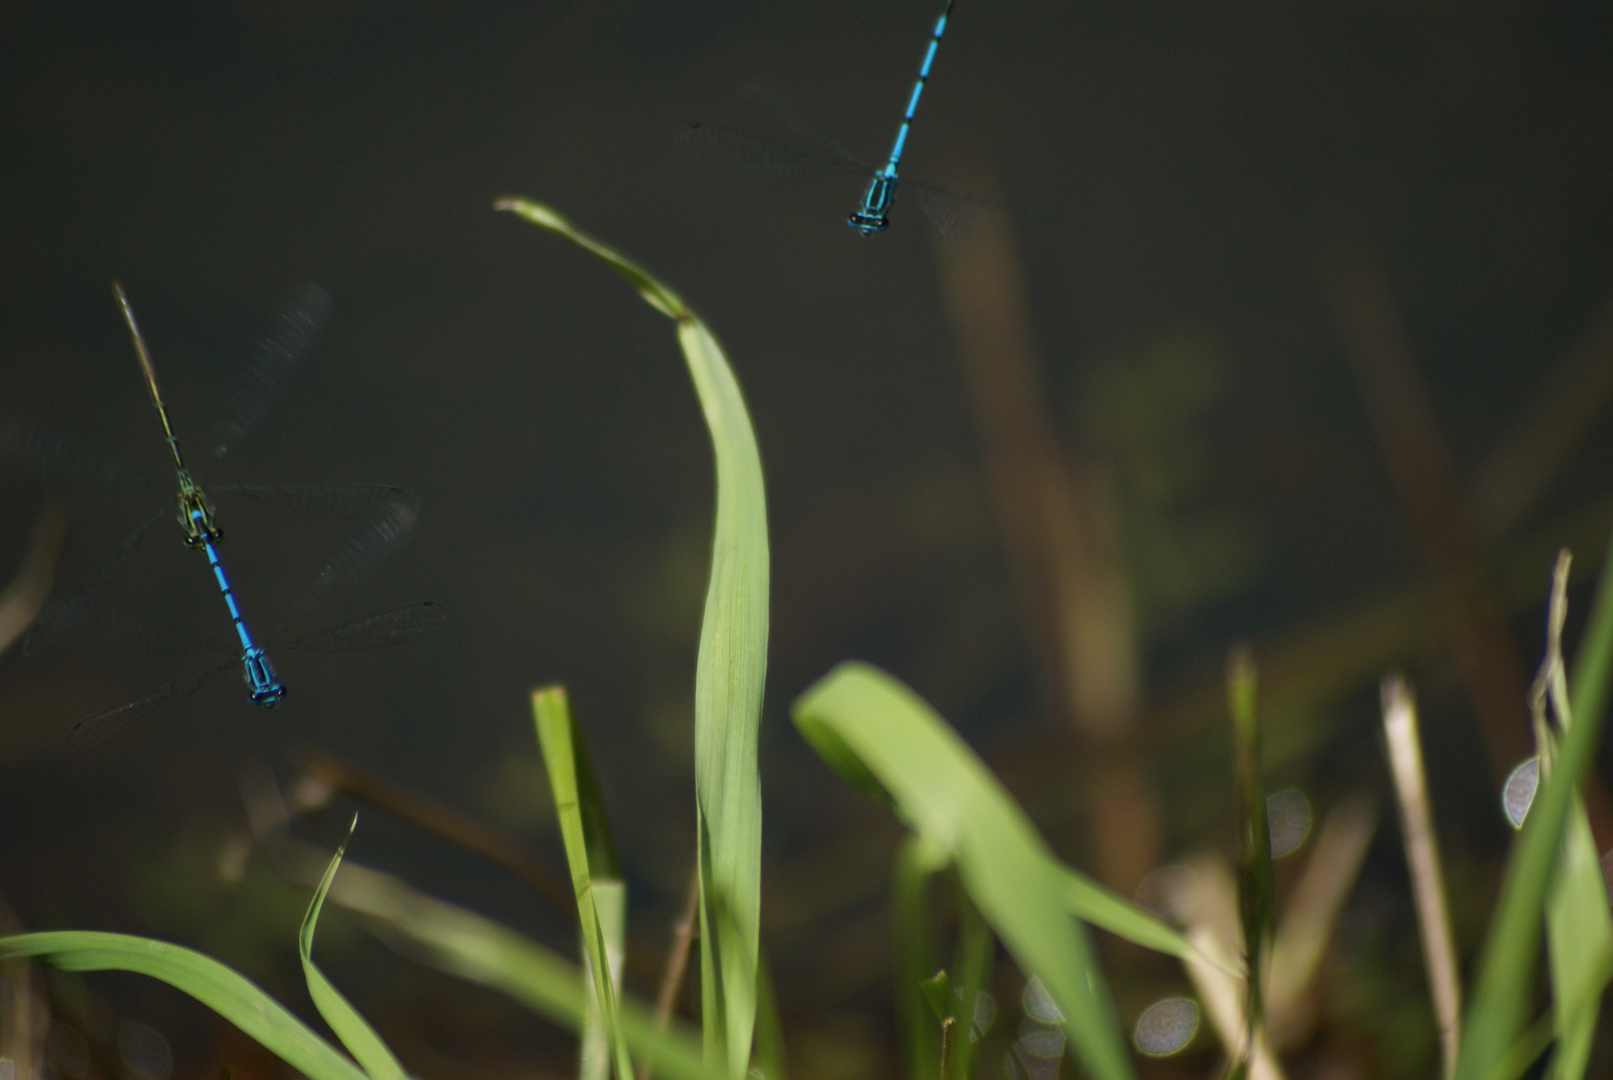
(592, 861)
(1256, 892)
(232, 996)
(1507, 964)
(949, 797)
(1579, 929)
(354, 1031)
(729, 673)
(1422, 856)
(916, 861)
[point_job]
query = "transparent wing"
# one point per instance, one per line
(375, 632)
(777, 106)
(65, 612)
(119, 721)
(59, 458)
(730, 149)
(389, 514)
(955, 213)
(292, 333)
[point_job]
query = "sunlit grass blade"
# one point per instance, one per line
(589, 855)
(1508, 963)
(1579, 929)
(354, 1031)
(948, 796)
(232, 996)
(471, 946)
(1256, 893)
(729, 673)
(1422, 857)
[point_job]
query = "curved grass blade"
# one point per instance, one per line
(227, 993)
(949, 797)
(374, 632)
(471, 946)
(729, 672)
(591, 857)
(292, 333)
(917, 860)
(354, 1031)
(1507, 965)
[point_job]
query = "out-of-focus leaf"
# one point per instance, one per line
(950, 798)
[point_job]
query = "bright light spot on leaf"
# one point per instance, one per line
(1519, 791)
(1165, 1027)
(1039, 1003)
(1288, 817)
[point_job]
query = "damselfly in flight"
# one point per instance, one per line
(65, 462)
(953, 213)
(202, 532)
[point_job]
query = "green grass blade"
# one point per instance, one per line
(1579, 929)
(589, 855)
(233, 997)
(1256, 892)
(729, 673)
(951, 799)
(770, 1052)
(595, 1055)
(354, 1031)
(1508, 963)
(471, 946)
(976, 948)
(916, 862)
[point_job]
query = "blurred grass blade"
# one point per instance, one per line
(22, 600)
(1422, 858)
(729, 672)
(916, 862)
(1508, 963)
(1093, 903)
(1579, 929)
(471, 946)
(354, 1031)
(583, 829)
(1256, 893)
(976, 950)
(950, 798)
(237, 1000)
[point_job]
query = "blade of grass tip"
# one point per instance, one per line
(1507, 963)
(1579, 928)
(916, 862)
(948, 796)
(354, 1031)
(259, 1016)
(730, 670)
(583, 831)
(1422, 859)
(1256, 893)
